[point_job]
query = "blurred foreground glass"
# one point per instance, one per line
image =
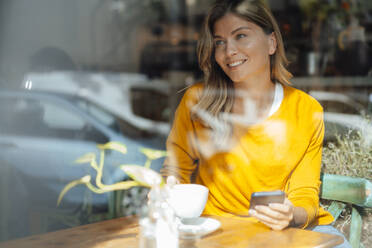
(158, 224)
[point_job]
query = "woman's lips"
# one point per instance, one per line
(236, 63)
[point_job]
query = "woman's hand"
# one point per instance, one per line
(171, 181)
(277, 216)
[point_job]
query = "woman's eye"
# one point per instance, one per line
(219, 42)
(239, 36)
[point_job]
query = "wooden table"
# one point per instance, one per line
(123, 232)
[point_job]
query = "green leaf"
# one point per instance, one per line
(86, 158)
(153, 154)
(70, 185)
(145, 176)
(117, 146)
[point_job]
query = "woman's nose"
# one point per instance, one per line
(231, 49)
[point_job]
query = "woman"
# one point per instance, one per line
(245, 129)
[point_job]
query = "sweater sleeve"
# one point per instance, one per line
(304, 183)
(182, 159)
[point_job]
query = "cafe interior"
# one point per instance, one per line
(75, 75)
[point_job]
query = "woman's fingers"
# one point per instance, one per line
(172, 180)
(277, 216)
(272, 213)
(273, 223)
(282, 208)
(285, 208)
(262, 217)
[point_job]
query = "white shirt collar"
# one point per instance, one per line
(278, 98)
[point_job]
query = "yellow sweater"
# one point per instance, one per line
(282, 152)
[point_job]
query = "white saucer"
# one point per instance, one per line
(192, 228)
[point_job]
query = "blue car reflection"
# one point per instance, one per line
(41, 135)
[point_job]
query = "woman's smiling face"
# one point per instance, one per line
(242, 49)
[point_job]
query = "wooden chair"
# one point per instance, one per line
(344, 190)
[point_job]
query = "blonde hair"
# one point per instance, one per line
(218, 91)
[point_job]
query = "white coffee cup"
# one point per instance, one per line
(188, 200)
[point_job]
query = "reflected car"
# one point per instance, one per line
(342, 114)
(3, 84)
(117, 93)
(41, 135)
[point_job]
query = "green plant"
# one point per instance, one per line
(350, 155)
(140, 175)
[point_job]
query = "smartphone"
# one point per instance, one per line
(266, 197)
